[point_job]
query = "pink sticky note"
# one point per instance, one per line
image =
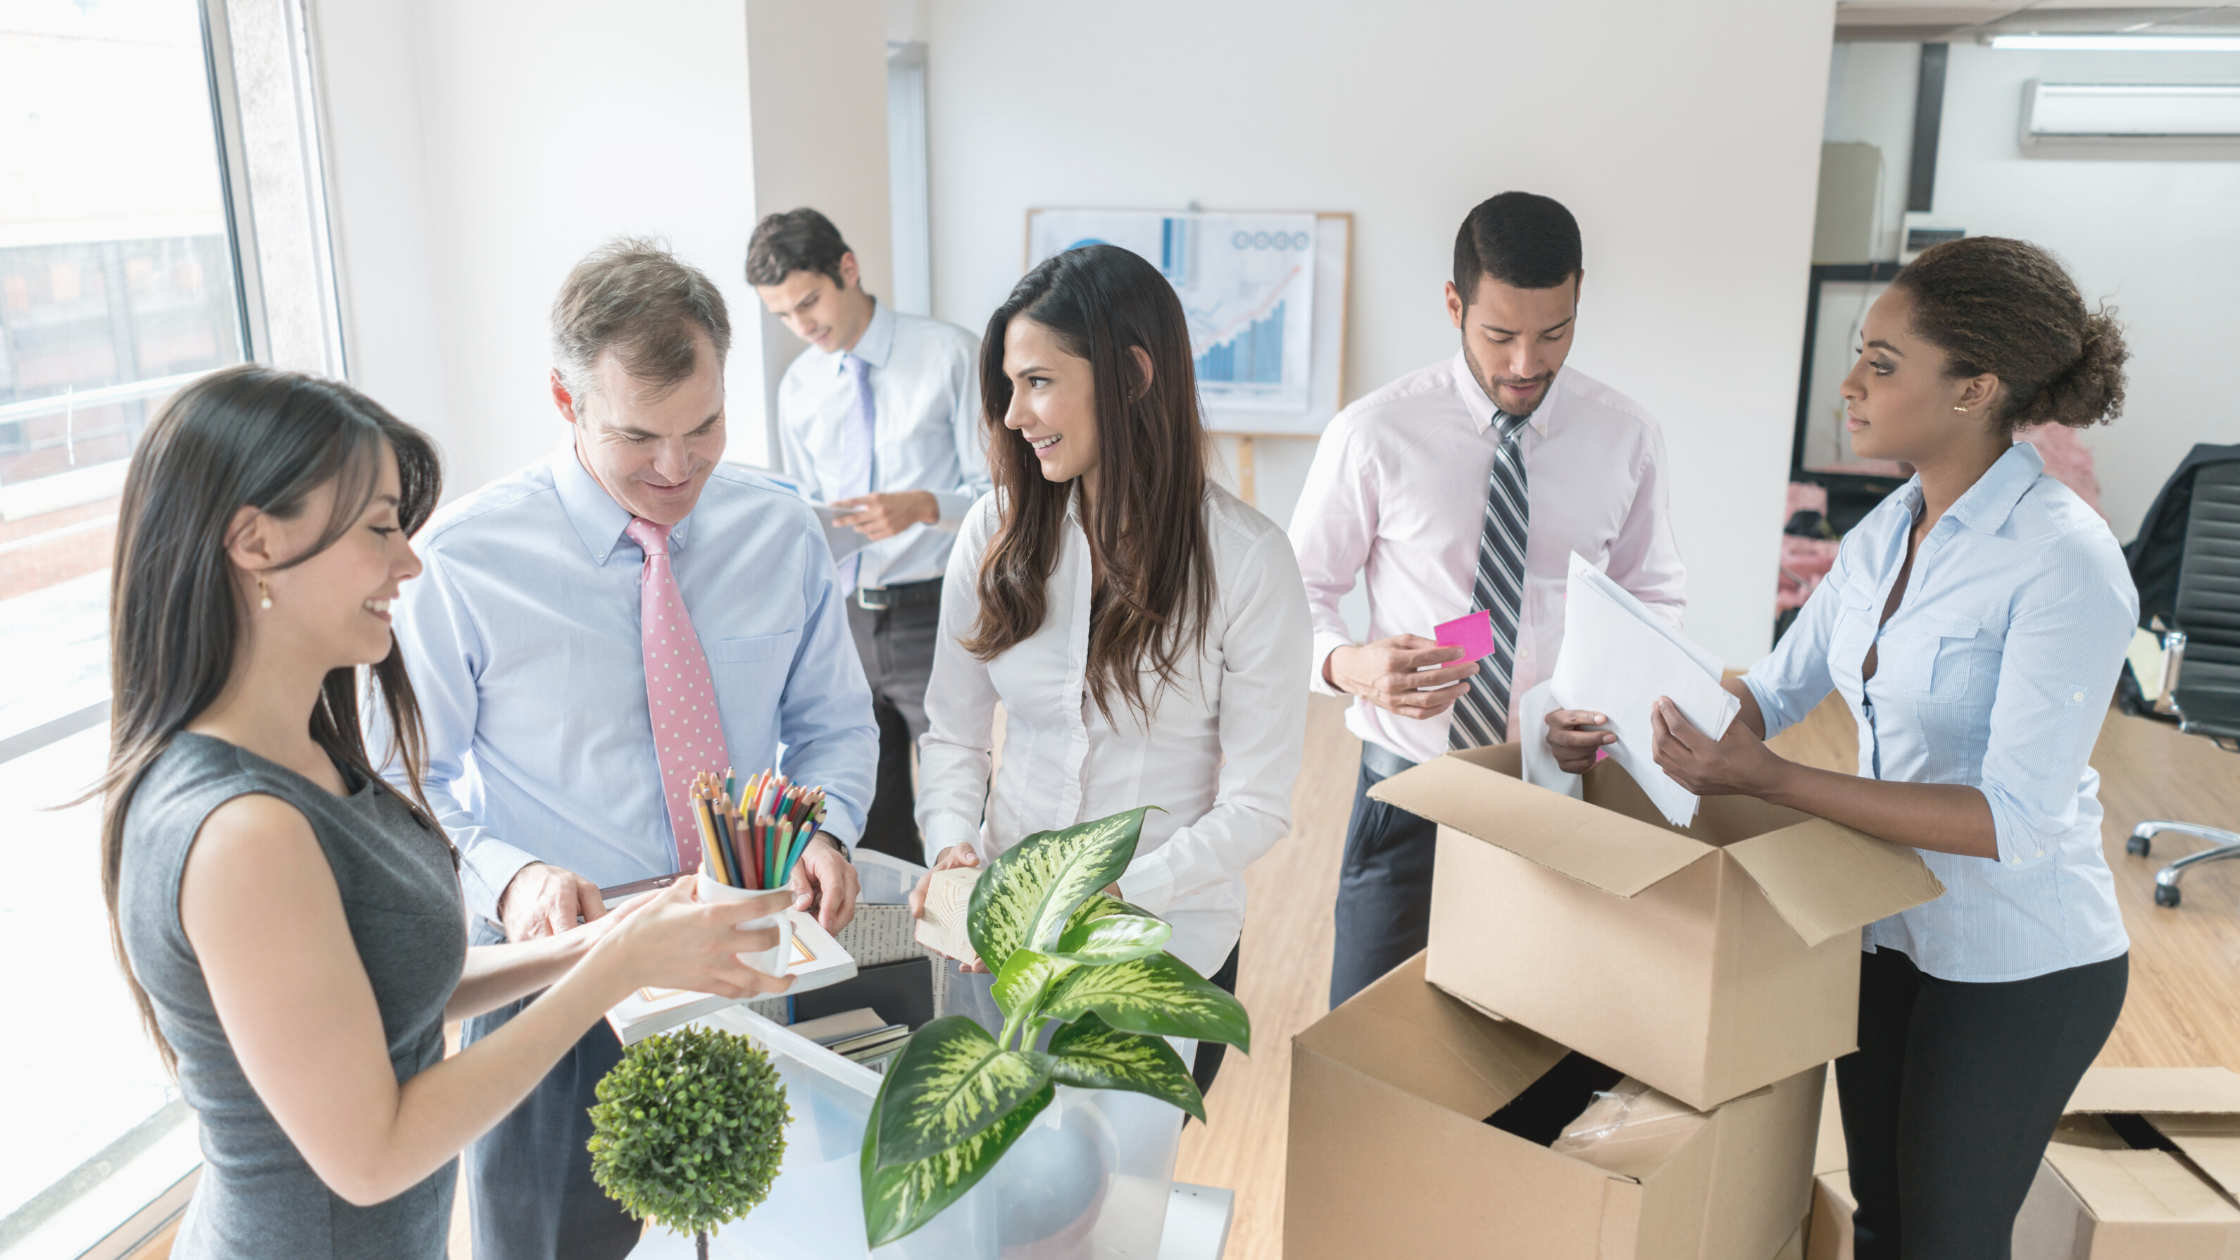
(1472, 633)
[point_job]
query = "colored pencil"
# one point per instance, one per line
(711, 850)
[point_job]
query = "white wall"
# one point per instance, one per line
(1870, 101)
(2156, 237)
(479, 148)
(1684, 137)
(817, 73)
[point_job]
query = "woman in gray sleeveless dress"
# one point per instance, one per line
(290, 923)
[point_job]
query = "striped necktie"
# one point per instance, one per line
(1481, 715)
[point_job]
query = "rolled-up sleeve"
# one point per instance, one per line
(1793, 678)
(956, 755)
(1331, 532)
(443, 651)
(2066, 636)
(1266, 642)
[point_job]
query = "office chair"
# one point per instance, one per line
(2200, 682)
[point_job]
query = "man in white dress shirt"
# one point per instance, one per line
(1467, 485)
(881, 414)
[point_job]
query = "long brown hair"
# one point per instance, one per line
(242, 437)
(1146, 527)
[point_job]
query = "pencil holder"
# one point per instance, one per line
(770, 908)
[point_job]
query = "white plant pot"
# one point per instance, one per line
(1089, 1180)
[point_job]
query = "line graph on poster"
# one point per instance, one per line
(1264, 294)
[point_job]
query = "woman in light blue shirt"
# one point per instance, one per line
(1974, 622)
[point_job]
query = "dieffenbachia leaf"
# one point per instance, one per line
(1025, 977)
(1093, 1055)
(1032, 889)
(900, 1198)
(1158, 995)
(1109, 930)
(950, 1083)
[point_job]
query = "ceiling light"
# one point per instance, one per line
(2119, 43)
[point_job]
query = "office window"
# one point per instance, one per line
(118, 284)
(908, 193)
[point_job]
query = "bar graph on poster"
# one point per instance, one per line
(1264, 295)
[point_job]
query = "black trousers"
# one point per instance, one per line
(1384, 883)
(530, 1195)
(1206, 1064)
(1952, 1095)
(896, 645)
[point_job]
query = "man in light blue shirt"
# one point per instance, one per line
(880, 414)
(523, 640)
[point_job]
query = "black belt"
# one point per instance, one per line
(1382, 761)
(902, 595)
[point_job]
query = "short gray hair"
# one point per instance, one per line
(635, 298)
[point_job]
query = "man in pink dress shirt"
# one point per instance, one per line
(1461, 486)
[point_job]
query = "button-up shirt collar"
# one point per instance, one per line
(876, 343)
(599, 521)
(1482, 407)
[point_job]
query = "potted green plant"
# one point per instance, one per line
(689, 1130)
(1064, 953)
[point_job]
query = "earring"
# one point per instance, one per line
(264, 593)
(1959, 408)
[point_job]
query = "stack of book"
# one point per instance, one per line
(859, 1035)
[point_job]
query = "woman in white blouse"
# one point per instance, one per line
(1143, 629)
(1973, 623)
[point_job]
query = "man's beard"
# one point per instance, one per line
(1488, 384)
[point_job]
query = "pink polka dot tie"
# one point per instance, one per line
(687, 735)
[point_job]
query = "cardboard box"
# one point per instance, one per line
(1390, 1154)
(1792, 1249)
(1708, 961)
(1828, 1237)
(1827, 1233)
(2143, 1167)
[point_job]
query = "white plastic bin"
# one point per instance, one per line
(1089, 1181)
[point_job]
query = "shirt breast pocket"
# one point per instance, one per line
(1851, 633)
(1943, 658)
(750, 677)
(761, 647)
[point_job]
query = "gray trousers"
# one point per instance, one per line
(897, 649)
(530, 1195)
(1384, 882)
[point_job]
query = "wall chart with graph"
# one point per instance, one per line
(1265, 295)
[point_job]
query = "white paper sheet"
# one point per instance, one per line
(1617, 659)
(843, 541)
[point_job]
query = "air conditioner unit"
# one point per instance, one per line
(2100, 114)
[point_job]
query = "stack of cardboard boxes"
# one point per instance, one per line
(2145, 1165)
(1717, 964)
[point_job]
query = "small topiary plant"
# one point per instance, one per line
(689, 1130)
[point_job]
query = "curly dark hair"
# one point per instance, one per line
(2007, 308)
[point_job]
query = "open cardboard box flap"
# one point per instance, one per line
(2198, 1109)
(1821, 878)
(1481, 792)
(1456, 1057)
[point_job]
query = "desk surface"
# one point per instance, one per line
(1197, 1229)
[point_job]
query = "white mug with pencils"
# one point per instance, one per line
(750, 841)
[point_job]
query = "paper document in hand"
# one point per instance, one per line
(843, 541)
(1617, 659)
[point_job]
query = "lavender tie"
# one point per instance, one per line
(862, 428)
